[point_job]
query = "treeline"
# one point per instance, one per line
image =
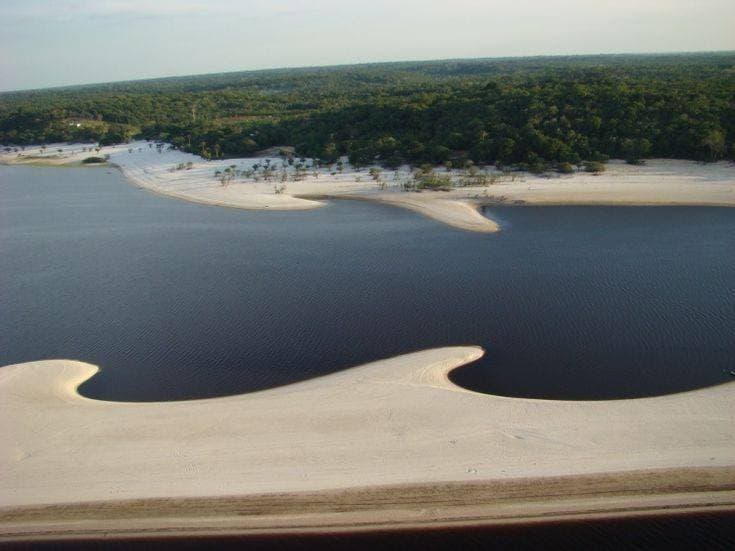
(536, 113)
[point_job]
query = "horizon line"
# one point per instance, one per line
(363, 64)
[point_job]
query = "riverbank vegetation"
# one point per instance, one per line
(534, 113)
(94, 161)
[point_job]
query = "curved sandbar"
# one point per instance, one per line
(657, 182)
(234, 196)
(300, 196)
(461, 214)
(391, 443)
(151, 169)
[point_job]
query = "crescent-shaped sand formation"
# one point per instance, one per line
(392, 443)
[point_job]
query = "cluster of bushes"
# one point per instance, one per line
(94, 160)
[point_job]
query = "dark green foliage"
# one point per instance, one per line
(594, 167)
(565, 168)
(94, 160)
(427, 178)
(537, 113)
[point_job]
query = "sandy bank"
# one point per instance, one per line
(394, 442)
(152, 168)
(458, 213)
(658, 182)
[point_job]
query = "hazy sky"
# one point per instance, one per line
(56, 42)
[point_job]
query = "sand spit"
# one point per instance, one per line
(658, 182)
(391, 443)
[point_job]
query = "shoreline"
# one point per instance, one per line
(393, 443)
(376, 509)
(458, 214)
(143, 184)
(659, 182)
(463, 215)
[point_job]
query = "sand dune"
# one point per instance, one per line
(392, 442)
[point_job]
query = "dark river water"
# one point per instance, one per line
(176, 300)
(710, 531)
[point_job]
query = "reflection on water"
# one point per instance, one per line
(175, 300)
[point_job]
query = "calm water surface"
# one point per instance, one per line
(176, 300)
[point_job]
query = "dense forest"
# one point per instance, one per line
(533, 113)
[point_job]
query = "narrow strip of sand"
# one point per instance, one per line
(399, 507)
(185, 176)
(390, 443)
(457, 213)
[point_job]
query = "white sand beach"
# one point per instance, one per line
(390, 443)
(657, 182)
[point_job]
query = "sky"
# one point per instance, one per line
(60, 42)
